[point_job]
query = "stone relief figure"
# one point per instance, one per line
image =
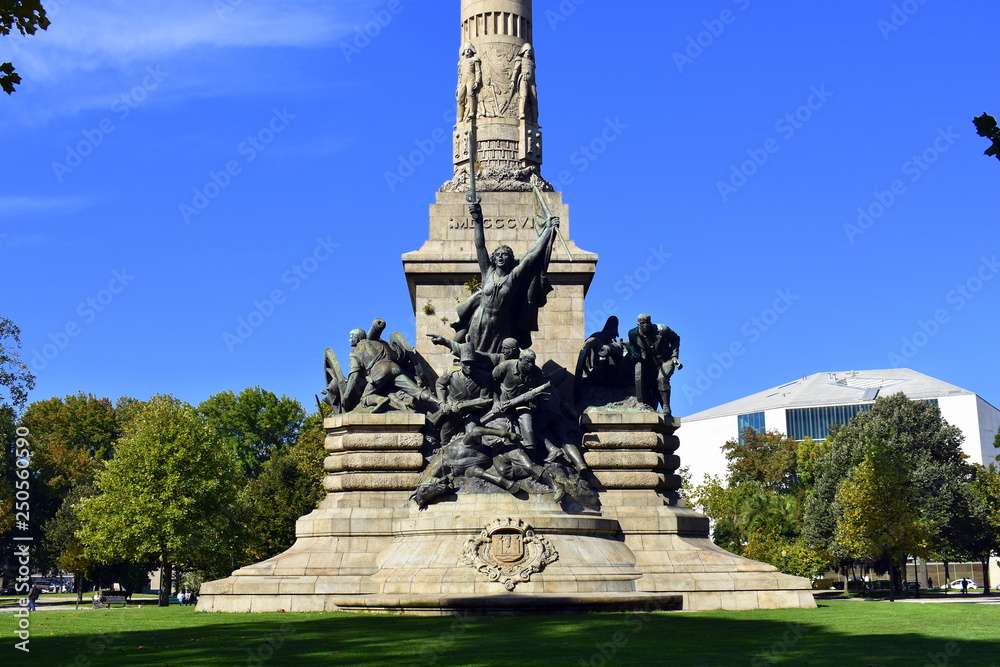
(376, 381)
(512, 292)
(655, 348)
(522, 85)
(470, 80)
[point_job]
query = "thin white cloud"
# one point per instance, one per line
(15, 206)
(88, 36)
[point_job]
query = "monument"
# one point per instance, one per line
(504, 463)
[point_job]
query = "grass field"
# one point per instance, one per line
(842, 633)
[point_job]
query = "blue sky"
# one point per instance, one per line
(810, 169)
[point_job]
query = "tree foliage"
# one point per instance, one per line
(73, 437)
(170, 478)
(878, 516)
(290, 486)
(256, 423)
(757, 511)
(25, 16)
(16, 379)
(912, 440)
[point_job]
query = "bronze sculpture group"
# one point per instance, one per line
(494, 421)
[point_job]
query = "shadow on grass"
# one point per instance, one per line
(844, 633)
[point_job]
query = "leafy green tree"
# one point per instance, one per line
(16, 379)
(923, 447)
(256, 422)
(974, 532)
(768, 459)
(170, 479)
(26, 16)
(73, 438)
(61, 539)
(290, 486)
(757, 512)
(877, 518)
(808, 453)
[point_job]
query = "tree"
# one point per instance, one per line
(877, 518)
(256, 422)
(768, 459)
(757, 512)
(16, 379)
(974, 533)
(62, 541)
(920, 445)
(73, 437)
(290, 486)
(986, 126)
(171, 477)
(27, 16)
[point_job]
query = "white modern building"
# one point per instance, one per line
(811, 405)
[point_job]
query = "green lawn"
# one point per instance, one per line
(842, 633)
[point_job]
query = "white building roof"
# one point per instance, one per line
(840, 388)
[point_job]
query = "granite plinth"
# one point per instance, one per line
(370, 549)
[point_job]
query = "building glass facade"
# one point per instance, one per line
(754, 420)
(815, 423)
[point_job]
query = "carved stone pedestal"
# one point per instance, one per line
(366, 548)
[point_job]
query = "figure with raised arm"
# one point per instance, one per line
(512, 292)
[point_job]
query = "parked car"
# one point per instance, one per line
(957, 585)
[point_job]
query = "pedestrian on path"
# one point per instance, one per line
(33, 596)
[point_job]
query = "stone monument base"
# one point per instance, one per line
(368, 548)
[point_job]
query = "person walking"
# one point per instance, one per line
(33, 596)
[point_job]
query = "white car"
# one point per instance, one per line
(957, 585)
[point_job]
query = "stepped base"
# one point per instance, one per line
(371, 552)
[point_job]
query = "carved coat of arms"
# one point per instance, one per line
(508, 551)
